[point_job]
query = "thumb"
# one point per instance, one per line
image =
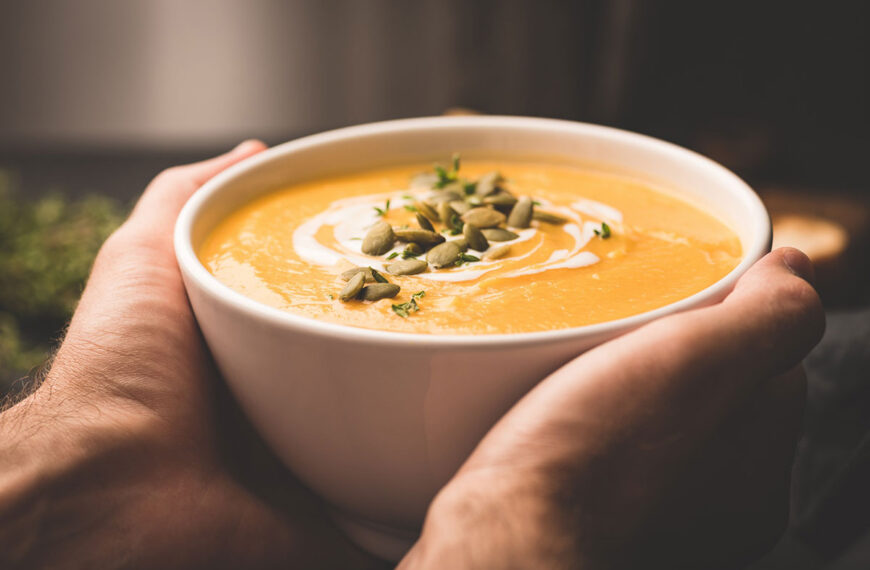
(145, 239)
(162, 201)
(674, 378)
(135, 272)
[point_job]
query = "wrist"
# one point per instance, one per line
(55, 452)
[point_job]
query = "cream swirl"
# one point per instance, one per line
(351, 218)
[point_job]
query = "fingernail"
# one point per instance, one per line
(798, 263)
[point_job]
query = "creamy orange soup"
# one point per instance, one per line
(618, 247)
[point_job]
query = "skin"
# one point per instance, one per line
(670, 447)
(131, 454)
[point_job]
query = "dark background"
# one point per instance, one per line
(97, 96)
(778, 90)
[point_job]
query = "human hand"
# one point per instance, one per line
(120, 458)
(669, 447)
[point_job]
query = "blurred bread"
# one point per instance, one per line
(823, 240)
(833, 230)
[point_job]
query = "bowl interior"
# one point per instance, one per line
(678, 171)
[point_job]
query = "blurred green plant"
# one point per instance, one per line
(47, 247)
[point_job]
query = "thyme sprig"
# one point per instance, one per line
(404, 310)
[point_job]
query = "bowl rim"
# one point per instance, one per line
(196, 272)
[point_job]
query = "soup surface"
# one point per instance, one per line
(598, 247)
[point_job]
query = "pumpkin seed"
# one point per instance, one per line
(353, 287)
(498, 234)
(446, 213)
(460, 206)
(483, 217)
(548, 217)
(411, 250)
(407, 267)
(497, 252)
(454, 188)
(521, 213)
(475, 238)
(379, 239)
(488, 183)
(443, 255)
(462, 243)
(425, 223)
(502, 199)
(378, 291)
(424, 180)
(421, 237)
(427, 210)
(443, 196)
(367, 271)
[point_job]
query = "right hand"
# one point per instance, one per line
(669, 447)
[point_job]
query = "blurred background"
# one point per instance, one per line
(97, 96)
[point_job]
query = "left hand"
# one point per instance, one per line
(123, 457)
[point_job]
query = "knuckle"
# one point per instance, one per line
(114, 246)
(170, 182)
(122, 248)
(801, 304)
(171, 174)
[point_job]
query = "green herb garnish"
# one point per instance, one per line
(411, 208)
(466, 258)
(406, 254)
(404, 310)
(378, 277)
(605, 231)
(445, 176)
(393, 255)
(383, 211)
(456, 224)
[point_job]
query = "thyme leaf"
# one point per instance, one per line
(383, 211)
(404, 310)
(378, 277)
(445, 176)
(605, 232)
(466, 258)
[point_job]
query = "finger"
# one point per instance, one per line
(673, 379)
(144, 241)
(732, 499)
(162, 201)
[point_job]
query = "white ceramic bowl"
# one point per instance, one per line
(375, 442)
